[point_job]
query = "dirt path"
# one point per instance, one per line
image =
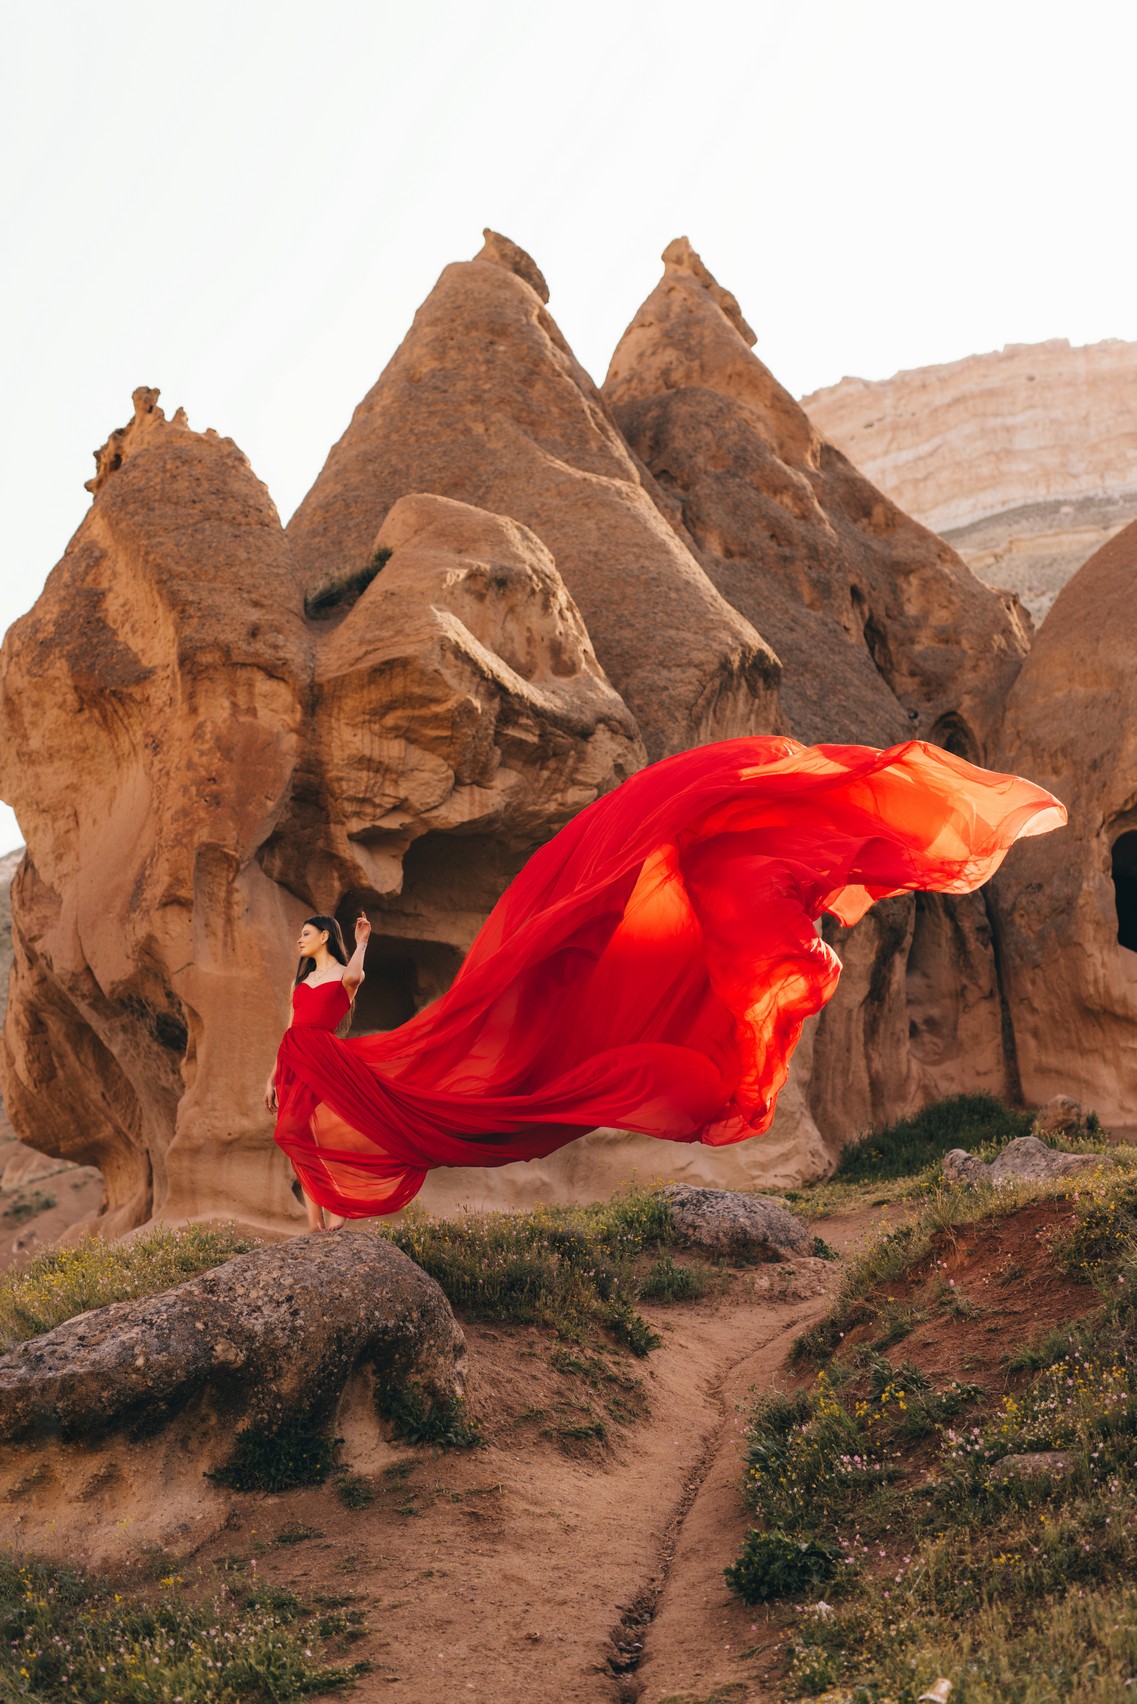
(518, 1574)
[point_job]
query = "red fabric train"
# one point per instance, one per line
(649, 969)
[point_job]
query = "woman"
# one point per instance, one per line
(323, 963)
(650, 968)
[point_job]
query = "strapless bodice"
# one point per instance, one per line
(318, 1006)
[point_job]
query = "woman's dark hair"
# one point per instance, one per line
(338, 951)
(335, 945)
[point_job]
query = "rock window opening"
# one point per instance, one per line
(1124, 870)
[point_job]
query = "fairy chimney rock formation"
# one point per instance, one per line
(1068, 909)
(199, 764)
(883, 635)
(505, 253)
(151, 708)
(881, 630)
(1025, 458)
(485, 403)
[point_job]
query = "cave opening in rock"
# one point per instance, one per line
(1124, 870)
(401, 974)
(953, 734)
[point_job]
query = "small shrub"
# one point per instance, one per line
(24, 1207)
(343, 590)
(631, 1329)
(353, 1491)
(777, 1564)
(666, 1282)
(296, 1454)
(908, 1146)
(447, 1425)
(821, 1250)
(296, 1533)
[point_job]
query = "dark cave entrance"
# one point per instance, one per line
(1124, 871)
(401, 976)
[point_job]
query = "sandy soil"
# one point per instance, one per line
(503, 1573)
(542, 1566)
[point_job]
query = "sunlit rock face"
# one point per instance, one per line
(485, 402)
(1067, 911)
(198, 765)
(883, 635)
(504, 593)
(1025, 458)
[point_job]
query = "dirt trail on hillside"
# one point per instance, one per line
(518, 1574)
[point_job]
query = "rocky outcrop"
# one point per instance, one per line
(1025, 1160)
(504, 592)
(1068, 914)
(1025, 459)
(199, 765)
(484, 402)
(883, 634)
(722, 1222)
(282, 1338)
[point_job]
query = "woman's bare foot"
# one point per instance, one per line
(334, 1222)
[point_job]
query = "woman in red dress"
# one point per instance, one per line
(650, 968)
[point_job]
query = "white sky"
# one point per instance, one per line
(243, 203)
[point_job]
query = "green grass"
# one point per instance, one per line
(905, 1148)
(294, 1455)
(74, 1637)
(872, 1485)
(343, 589)
(23, 1207)
(573, 1269)
(63, 1282)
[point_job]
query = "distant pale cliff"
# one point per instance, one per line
(1025, 459)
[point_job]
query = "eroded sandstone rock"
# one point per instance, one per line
(882, 631)
(883, 634)
(198, 766)
(1068, 910)
(485, 402)
(152, 708)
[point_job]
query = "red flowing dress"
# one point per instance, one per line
(650, 968)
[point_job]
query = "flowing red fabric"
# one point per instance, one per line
(649, 969)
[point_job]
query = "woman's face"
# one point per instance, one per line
(310, 939)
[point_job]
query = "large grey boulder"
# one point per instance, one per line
(1026, 1159)
(268, 1337)
(112, 1425)
(1035, 1464)
(726, 1222)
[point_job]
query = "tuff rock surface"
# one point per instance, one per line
(1067, 913)
(1026, 1158)
(199, 765)
(485, 402)
(883, 634)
